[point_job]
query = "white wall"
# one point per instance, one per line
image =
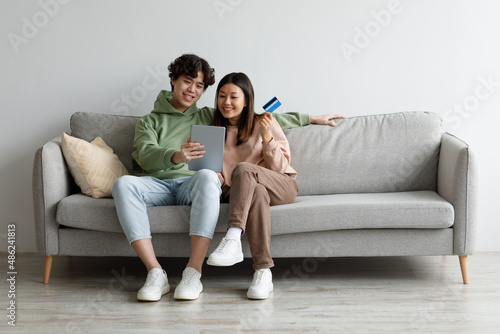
(348, 57)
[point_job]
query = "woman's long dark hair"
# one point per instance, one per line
(248, 118)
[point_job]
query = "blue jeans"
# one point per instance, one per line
(133, 194)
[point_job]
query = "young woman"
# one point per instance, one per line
(256, 174)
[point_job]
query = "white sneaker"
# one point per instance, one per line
(190, 285)
(227, 253)
(156, 286)
(262, 284)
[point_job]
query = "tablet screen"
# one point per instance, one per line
(213, 138)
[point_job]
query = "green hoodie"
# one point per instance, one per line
(161, 133)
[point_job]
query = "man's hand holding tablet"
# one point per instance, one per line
(191, 151)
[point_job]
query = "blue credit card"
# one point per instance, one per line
(272, 105)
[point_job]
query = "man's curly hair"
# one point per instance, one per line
(190, 65)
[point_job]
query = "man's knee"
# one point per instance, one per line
(207, 182)
(122, 184)
(206, 176)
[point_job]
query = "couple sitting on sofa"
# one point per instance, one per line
(256, 174)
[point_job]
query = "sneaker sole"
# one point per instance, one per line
(216, 263)
(153, 297)
(260, 296)
(188, 295)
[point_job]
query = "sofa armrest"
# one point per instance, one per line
(457, 183)
(51, 183)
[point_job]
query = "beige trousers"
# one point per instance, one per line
(253, 191)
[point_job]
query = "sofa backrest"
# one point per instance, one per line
(376, 153)
(117, 132)
(367, 154)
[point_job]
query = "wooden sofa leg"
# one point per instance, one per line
(47, 268)
(465, 268)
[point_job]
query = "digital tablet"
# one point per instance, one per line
(213, 138)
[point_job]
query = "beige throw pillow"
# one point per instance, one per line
(93, 165)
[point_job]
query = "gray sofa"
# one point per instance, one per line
(380, 185)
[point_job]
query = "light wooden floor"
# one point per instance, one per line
(338, 295)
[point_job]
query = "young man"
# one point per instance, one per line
(162, 177)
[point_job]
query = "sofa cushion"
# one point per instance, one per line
(367, 154)
(93, 165)
(117, 131)
(414, 210)
(420, 209)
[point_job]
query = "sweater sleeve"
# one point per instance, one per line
(276, 153)
(149, 154)
(291, 119)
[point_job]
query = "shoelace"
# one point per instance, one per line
(258, 279)
(188, 279)
(223, 245)
(151, 279)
